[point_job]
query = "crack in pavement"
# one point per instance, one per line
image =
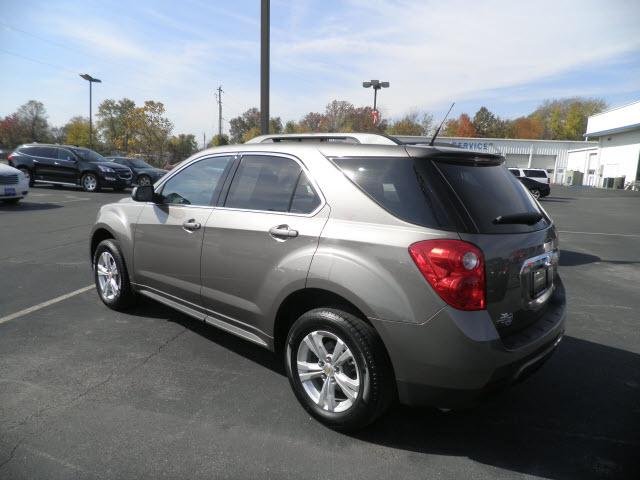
(83, 394)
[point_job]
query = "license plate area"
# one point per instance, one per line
(536, 277)
(540, 280)
(9, 191)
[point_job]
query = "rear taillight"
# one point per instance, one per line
(454, 269)
(9, 158)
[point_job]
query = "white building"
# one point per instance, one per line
(552, 155)
(617, 152)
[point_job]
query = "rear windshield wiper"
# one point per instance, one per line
(527, 218)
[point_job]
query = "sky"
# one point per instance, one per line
(506, 55)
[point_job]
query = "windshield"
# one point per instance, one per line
(137, 163)
(89, 155)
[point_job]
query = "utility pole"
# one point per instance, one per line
(264, 67)
(219, 99)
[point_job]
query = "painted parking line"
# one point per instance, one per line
(600, 233)
(42, 305)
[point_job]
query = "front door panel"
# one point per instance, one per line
(167, 250)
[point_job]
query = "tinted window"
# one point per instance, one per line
(411, 189)
(535, 173)
(120, 161)
(515, 172)
(64, 154)
(489, 191)
(196, 184)
(264, 183)
(88, 155)
(305, 199)
(47, 152)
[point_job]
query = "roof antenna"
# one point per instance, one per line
(433, 139)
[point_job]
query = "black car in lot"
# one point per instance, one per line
(143, 173)
(69, 165)
(537, 189)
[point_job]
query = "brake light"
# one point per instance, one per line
(454, 269)
(9, 158)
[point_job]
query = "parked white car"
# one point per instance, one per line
(537, 174)
(14, 185)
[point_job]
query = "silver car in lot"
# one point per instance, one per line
(380, 272)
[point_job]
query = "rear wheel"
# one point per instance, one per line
(27, 173)
(535, 192)
(90, 182)
(111, 276)
(11, 201)
(338, 369)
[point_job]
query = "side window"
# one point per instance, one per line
(264, 183)
(119, 160)
(305, 199)
(47, 152)
(64, 154)
(195, 185)
(515, 172)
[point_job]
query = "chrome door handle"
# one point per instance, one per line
(283, 231)
(191, 225)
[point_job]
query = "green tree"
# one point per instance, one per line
(412, 124)
(116, 123)
(246, 125)
(566, 119)
(218, 140)
(33, 118)
(152, 129)
(182, 146)
(77, 131)
(290, 127)
(487, 124)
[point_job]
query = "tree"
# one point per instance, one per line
(32, 117)
(313, 122)
(182, 146)
(251, 133)
(487, 124)
(218, 140)
(290, 127)
(151, 128)
(407, 125)
(249, 121)
(566, 119)
(116, 122)
(77, 131)
(526, 127)
(451, 128)
(11, 132)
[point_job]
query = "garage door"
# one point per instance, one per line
(547, 162)
(517, 160)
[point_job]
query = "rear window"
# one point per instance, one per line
(489, 191)
(410, 189)
(536, 173)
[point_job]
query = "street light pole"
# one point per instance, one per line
(91, 81)
(376, 85)
(264, 67)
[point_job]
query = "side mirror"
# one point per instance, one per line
(143, 193)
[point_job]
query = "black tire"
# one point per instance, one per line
(536, 193)
(11, 201)
(86, 183)
(126, 296)
(27, 173)
(377, 385)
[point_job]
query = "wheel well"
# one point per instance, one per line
(98, 236)
(302, 301)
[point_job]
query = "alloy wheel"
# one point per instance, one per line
(108, 276)
(328, 371)
(144, 180)
(90, 183)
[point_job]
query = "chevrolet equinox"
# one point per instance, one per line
(380, 272)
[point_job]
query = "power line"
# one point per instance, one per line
(24, 57)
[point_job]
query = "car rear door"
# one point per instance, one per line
(168, 234)
(259, 243)
(44, 159)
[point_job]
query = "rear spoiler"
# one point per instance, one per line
(455, 155)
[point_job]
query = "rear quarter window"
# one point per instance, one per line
(408, 188)
(535, 173)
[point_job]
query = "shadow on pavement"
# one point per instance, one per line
(569, 258)
(577, 417)
(22, 206)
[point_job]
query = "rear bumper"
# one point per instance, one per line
(456, 358)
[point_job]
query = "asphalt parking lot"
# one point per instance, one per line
(86, 392)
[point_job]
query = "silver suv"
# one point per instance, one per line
(424, 274)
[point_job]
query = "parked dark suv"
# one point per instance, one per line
(67, 165)
(143, 173)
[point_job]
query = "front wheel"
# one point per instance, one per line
(338, 369)
(90, 183)
(111, 276)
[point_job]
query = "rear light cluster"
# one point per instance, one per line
(10, 159)
(454, 269)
